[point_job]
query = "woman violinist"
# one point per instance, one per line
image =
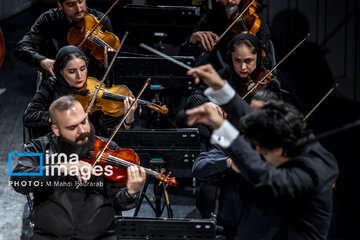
(245, 66)
(214, 22)
(243, 70)
(71, 74)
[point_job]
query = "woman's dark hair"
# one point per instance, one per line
(71, 57)
(245, 42)
(250, 41)
(265, 96)
(64, 55)
(276, 124)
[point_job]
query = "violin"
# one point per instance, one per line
(249, 22)
(255, 82)
(109, 100)
(2, 48)
(96, 41)
(120, 160)
(235, 15)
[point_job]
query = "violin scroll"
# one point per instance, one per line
(161, 109)
(171, 181)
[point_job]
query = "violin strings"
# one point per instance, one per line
(96, 40)
(100, 41)
(123, 163)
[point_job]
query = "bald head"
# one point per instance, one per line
(59, 105)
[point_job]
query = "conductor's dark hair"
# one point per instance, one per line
(265, 96)
(276, 124)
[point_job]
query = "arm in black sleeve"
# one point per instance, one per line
(28, 48)
(265, 37)
(107, 26)
(236, 109)
(122, 200)
(31, 164)
(210, 165)
(296, 179)
(209, 21)
(37, 112)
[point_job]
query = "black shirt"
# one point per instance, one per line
(49, 34)
(62, 211)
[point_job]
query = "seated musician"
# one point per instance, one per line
(39, 46)
(286, 191)
(68, 202)
(70, 70)
(214, 22)
(244, 62)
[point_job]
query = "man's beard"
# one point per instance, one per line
(82, 150)
(230, 9)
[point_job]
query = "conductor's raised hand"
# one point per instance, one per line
(205, 114)
(209, 76)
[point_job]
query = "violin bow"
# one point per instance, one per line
(276, 65)
(106, 73)
(97, 24)
(236, 20)
(121, 122)
(336, 85)
(329, 133)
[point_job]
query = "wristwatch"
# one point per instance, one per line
(132, 196)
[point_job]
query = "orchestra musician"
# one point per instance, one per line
(71, 72)
(244, 62)
(286, 190)
(68, 204)
(213, 22)
(39, 46)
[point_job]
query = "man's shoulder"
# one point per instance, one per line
(40, 143)
(53, 14)
(317, 161)
(96, 13)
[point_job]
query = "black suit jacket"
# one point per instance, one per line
(292, 201)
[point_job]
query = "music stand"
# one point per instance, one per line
(131, 70)
(160, 24)
(172, 149)
(163, 228)
(169, 85)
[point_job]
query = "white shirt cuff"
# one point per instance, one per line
(224, 135)
(221, 96)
